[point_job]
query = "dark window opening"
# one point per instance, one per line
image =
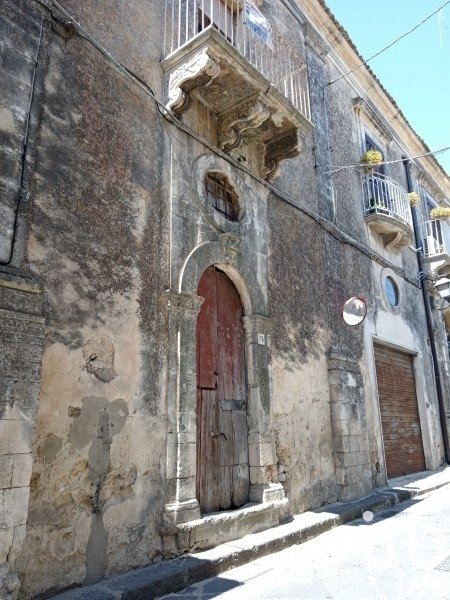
(218, 14)
(370, 145)
(222, 196)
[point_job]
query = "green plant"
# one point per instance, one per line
(371, 159)
(414, 198)
(376, 202)
(440, 212)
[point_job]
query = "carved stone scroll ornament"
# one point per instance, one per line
(232, 244)
(285, 146)
(243, 119)
(396, 240)
(197, 72)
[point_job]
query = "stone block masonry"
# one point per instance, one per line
(21, 338)
(348, 423)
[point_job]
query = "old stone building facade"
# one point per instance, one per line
(176, 248)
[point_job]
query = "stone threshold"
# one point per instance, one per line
(224, 526)
(173, 575)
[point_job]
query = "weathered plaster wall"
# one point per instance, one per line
(116, 212)
(21, 323)
(98, 245)
(300, 394)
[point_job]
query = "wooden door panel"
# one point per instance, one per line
(241, 485)
(207, 449)
(225, 439)
(207, 359)
(222, 434)
(225, 488)
(240, 429)
(230, 340)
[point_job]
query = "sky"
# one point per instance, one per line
(416, 70)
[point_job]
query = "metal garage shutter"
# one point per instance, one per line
(399, 412)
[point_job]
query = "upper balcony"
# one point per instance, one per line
(387, 210)
(436, 243)
(235, 63)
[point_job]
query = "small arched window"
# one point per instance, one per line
(222, 196)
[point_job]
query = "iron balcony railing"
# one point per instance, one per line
(274, 59)
(436, 238)
(385, 196)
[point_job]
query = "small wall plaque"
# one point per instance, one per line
(261, 339)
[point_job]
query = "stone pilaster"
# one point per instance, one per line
(264, 486)
(181, 502)
(21, 345)
(349, 427)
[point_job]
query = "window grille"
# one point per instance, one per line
(222, 196)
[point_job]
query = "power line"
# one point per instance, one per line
(390, 45)
(337, 233)
(337, 169)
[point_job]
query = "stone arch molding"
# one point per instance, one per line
(225, 254)
(184, 305)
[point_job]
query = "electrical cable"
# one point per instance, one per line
(23, 193)
(330, 227)
(337, 169)
(390, 45)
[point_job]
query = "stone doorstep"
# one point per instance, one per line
(226, 526)
(173, 575)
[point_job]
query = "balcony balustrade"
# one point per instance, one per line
(275, 60)
(387, 210)
(255, 84)
(436, 243)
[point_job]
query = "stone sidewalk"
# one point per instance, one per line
(174, 575)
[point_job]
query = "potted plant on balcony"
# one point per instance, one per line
(375, 202)
(440, 212)
(414, 199)
(370, 159)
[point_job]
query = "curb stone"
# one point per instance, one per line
(173, 575)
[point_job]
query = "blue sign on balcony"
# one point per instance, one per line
(258, 23)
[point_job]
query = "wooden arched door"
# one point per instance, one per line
(222, 434)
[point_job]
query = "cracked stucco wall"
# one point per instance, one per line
(110, 182)
(97, 243)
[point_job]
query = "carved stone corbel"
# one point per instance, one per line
(288, 145)
(197, 72)
(241, 120)
(395, 240)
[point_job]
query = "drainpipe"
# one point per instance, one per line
(437, 374)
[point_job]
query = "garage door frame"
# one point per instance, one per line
(421, 395)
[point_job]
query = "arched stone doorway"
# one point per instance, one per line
(182, 506)
(222, 477)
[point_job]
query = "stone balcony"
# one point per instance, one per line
(387, 210)
(258, 91)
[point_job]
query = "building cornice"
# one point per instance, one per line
(344, 55)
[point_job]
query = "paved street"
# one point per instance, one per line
(403, 553)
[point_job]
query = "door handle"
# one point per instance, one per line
(214, 435)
